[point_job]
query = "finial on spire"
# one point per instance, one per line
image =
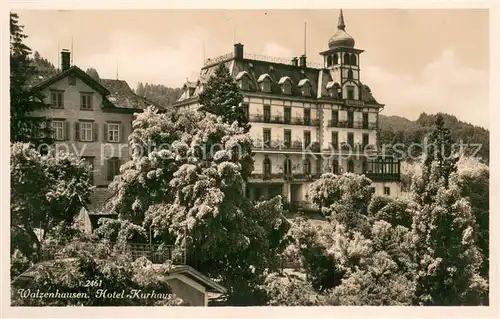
(341, 24)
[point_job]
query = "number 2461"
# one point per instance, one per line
(92, 283)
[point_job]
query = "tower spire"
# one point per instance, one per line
(341, 24)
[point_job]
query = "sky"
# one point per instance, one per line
(415, 60)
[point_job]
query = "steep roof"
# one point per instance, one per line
(122, 96)
(75, 71)
(257, 70)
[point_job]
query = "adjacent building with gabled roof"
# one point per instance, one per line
(90, 118)
(307, 119)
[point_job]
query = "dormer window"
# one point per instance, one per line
(333, 89)
(265, 83)
(243, 80)
(286, 85)
(305, 87)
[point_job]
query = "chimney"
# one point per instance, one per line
(238, 51)
(295, 61)
(302, 61)
(65, 59)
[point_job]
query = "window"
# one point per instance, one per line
(113, 168)
(319, 164)
(287, 166)
(267, 113)
(265, 86)
(288, 114)
(335, 118)
(349, 74)
(350, 92)
(267, 166)
(58, 130)
(86, 101)
(113, 132)
(244, 83)
(288, 137)
(267, 135)
(72, 80)
(307, 116)
(89, 162)
(365, 120)
(306, 89)
(307, 166)
(335, 140)
(57, 99)
(335, 165)
(353, 59)
(86, 131)
(307, 138)
(246, 109)
(346, 59)
(387, 191)
(287, 87)
(350, 166)
(335, 59)
(350, 118)
(350, 139)
(366, 139)
(365, 166)
(329, 60)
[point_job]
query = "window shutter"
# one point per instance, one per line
(95, 128)
(66, 130)
(122, 133)
(108, 169)
(77, 131)
(105, 132)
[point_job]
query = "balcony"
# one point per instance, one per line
(356, 125)
(283, 145)
(383, 177)
(278, 119)
(357, 148)
(298, 177)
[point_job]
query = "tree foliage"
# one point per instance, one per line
(221, 96)
(188, 189)
(23, 126)
(93, 73)
(46, 191)
(158, 93)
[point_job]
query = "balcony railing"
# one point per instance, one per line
(278, 119)
(285, 176)
(284, 145)
(357, 125)
(383, 177)
(155, 253)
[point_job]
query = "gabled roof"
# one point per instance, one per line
(75, 71)
(284, 79)
(197, 276)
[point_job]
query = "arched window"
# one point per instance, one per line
(350, 166)
(353, 59)
(244, 83)
(335, 165)
(306, 89)
(307, 166)
(267, 166)
(349, 74)
(329, 60)
(346, 59)
(287, 87)
(266, 85)
(335, 59)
